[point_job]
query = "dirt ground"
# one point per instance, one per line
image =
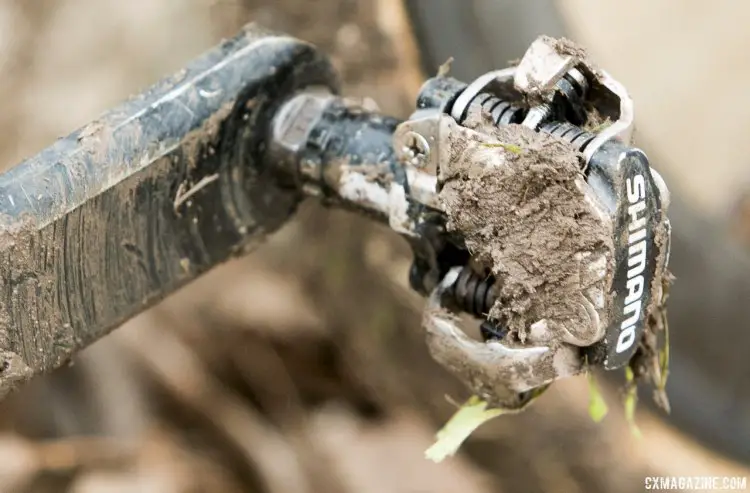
(295, 369)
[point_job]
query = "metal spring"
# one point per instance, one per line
(575, 78)
(502, 112)
(578, 137)
(574, 86)
(474, 293)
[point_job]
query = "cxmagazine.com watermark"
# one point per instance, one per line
(695, 483)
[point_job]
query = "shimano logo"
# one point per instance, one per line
(636, 188)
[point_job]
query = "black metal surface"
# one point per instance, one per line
(318, 137)
(474, 293)
(439, 93)
(119, 214)
(501, 112)
(569, 132)
(621, 177)
(347, 135)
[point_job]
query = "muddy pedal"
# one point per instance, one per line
(557, 94)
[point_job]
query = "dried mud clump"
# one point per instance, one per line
(519, 200)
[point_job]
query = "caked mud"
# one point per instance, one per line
(520, 200)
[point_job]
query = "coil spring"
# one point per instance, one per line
(502, 112)
(578, 137)
(474, 293)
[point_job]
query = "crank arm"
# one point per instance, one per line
(111, 219)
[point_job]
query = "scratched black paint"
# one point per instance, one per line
(89, 231)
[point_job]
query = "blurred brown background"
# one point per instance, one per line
(302, 368)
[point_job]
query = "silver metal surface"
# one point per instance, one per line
(419, 131)
(416, 146)
(541, 67)
(493, 370)
(291, 128)
(536, 116)
(622, 128)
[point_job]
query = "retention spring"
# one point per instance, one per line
(573, 86)
(502, 112)
(570, 133)
(475, 294)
